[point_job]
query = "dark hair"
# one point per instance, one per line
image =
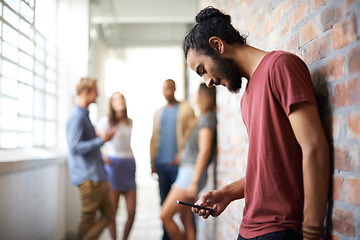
(210, 22)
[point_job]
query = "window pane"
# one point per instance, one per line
(25, 140)
(51, 48)
(26, 12)
(50, 107)
(25, 124)
(26, 29)
(1, 9)
(11, 17)
(39, 104)
(25, 99)
(50, 138)
(26, 45)
(39, 83)
(9, 121)
(8, 140)
(39, 68)
(50, 87)
(14, 4)
(50, 62)
(25, 76)
(9, 70)
(39, 54)
(39, 132)
(10, 35)
(0, 24)
(10, 52)
(26, 61)
(40, 40)
(9, 87)
(8, 106)
(31, 3)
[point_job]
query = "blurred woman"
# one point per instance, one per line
(119, 160)
(199, 150)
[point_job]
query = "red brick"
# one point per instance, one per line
(319, 48)
(328, 17)
(338, 187)
(316, 4)
(354, 61)
(353, 191)
(334, 237)
(292, 44)
(337, 126)
(289, 4)
(346, 158)
(344, 34)
(298, 14)
(309, 32)
(343, 222)
(278, 13)
(333, 69)
(346, 93)
(266, 28)
(353, 125)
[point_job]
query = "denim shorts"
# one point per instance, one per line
(185, 175)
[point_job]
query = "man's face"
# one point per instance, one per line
(215, 70)
(168, 90)
(92, 94)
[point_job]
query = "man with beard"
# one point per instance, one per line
(287, 176)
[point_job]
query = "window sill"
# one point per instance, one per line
(15, 160)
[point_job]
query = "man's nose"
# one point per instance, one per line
(209, 82)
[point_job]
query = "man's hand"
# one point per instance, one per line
(215, 200)
(175, 162)
(108, 135)
(107, 160)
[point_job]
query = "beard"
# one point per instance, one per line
(227, 69)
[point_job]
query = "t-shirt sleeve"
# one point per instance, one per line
(291, 82)
(208, 121)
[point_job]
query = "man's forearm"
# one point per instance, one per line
(316, 173)
(235, 190)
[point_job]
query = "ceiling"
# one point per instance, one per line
(121, 23)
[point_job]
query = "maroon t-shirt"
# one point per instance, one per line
(274, 195)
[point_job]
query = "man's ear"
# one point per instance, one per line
(217, 44)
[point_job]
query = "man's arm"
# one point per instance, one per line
(305, 121)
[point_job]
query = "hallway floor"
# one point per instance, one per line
(147, 224)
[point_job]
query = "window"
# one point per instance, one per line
(28, 79)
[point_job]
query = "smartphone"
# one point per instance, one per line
(192, 205)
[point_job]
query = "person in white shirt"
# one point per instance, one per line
(119, 160)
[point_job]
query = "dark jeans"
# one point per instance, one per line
(167, 176)
(281, 235)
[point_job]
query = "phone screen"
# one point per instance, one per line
(192, 205)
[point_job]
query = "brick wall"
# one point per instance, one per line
(325, 34)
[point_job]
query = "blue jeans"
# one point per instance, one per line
(281, 235)
(167, 176)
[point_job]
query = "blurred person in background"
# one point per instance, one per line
(86, 166)
(199, 151)
(169, 128)
(119, 160)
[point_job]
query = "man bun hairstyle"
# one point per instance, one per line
(210, 22)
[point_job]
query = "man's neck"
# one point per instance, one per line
(172, 102)
(248, 59)
(83, 103)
